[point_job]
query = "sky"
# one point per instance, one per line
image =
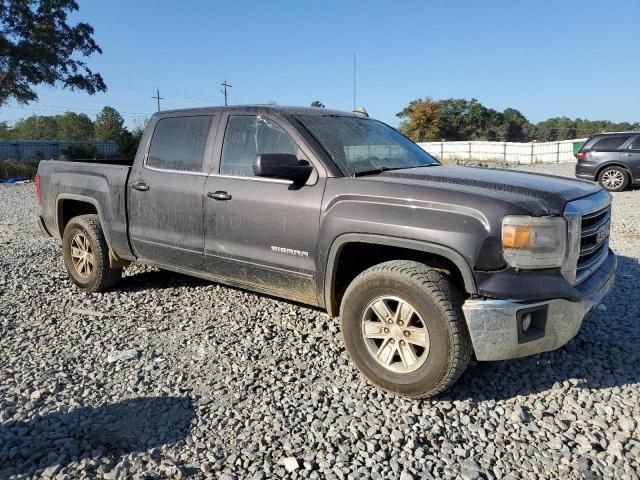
(545, 58)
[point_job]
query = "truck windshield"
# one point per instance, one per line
(362, 145)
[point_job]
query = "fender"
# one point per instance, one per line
(614, 163)
(456, 258)
(114, 259)
(80, 198)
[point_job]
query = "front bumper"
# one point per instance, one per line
(496, 326)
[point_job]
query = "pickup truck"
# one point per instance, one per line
(425, 264)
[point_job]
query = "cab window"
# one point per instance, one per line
(178, 143)
(248, 136)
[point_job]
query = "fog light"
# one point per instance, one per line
(531, 323)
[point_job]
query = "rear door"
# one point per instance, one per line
(262, 232)
(165, 192)
(632, 157)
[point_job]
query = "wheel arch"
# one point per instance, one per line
(614, 163)
(69, 205)
(377, 248)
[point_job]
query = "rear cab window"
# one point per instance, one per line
(178, 143)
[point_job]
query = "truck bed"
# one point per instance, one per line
(101, 183)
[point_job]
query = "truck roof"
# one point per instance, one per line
(281, 109)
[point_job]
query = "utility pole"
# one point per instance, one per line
(158, 97)
(225, 85)
(354, 82)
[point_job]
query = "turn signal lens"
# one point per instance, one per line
(515, 236)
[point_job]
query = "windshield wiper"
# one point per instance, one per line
(373, 171)
(420, 166)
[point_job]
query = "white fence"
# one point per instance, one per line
(512, 152)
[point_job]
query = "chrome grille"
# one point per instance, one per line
(588, 220)
(594, 242)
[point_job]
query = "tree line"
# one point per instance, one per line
(426, 119)
(77, 127)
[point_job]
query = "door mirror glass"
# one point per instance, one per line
(282, 165)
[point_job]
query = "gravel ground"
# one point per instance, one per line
(169, 376)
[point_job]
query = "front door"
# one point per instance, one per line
(631, 157)
(262, 232)
(165, 193)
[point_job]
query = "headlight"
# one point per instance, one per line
(534, 242)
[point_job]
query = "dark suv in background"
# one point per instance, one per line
(613, 159)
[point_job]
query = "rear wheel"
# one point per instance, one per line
(614, 179)
(404, 329)
(86, 255)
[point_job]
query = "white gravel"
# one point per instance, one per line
(169, 376)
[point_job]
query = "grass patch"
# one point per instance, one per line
(12, 168)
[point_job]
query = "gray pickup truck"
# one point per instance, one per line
(425, 264)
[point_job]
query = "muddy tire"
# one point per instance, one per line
(403, 326)
(86, 255)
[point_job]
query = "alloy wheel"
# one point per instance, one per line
(395, 334)
(612, 179)
(82, 255)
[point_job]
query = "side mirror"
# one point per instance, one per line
(282, 165)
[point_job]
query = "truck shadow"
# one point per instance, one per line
(605, 353)
(57, 439)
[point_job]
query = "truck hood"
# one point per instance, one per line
(542, 194)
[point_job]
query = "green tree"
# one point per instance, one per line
(128, 142)
(5, 131)
(557, 128)
(38, 46)
(75, 127)
(480, 122)
(420, 120)
(317, 104)
(37, 127)
(81, 151)
(453, 119)
(108, 125)
(516, 127)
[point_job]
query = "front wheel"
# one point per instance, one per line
(614, 179)
(86, 254)
(403, 326)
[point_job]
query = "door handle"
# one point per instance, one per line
(140, 186)
(219, 195)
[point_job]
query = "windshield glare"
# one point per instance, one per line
(362, 144)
